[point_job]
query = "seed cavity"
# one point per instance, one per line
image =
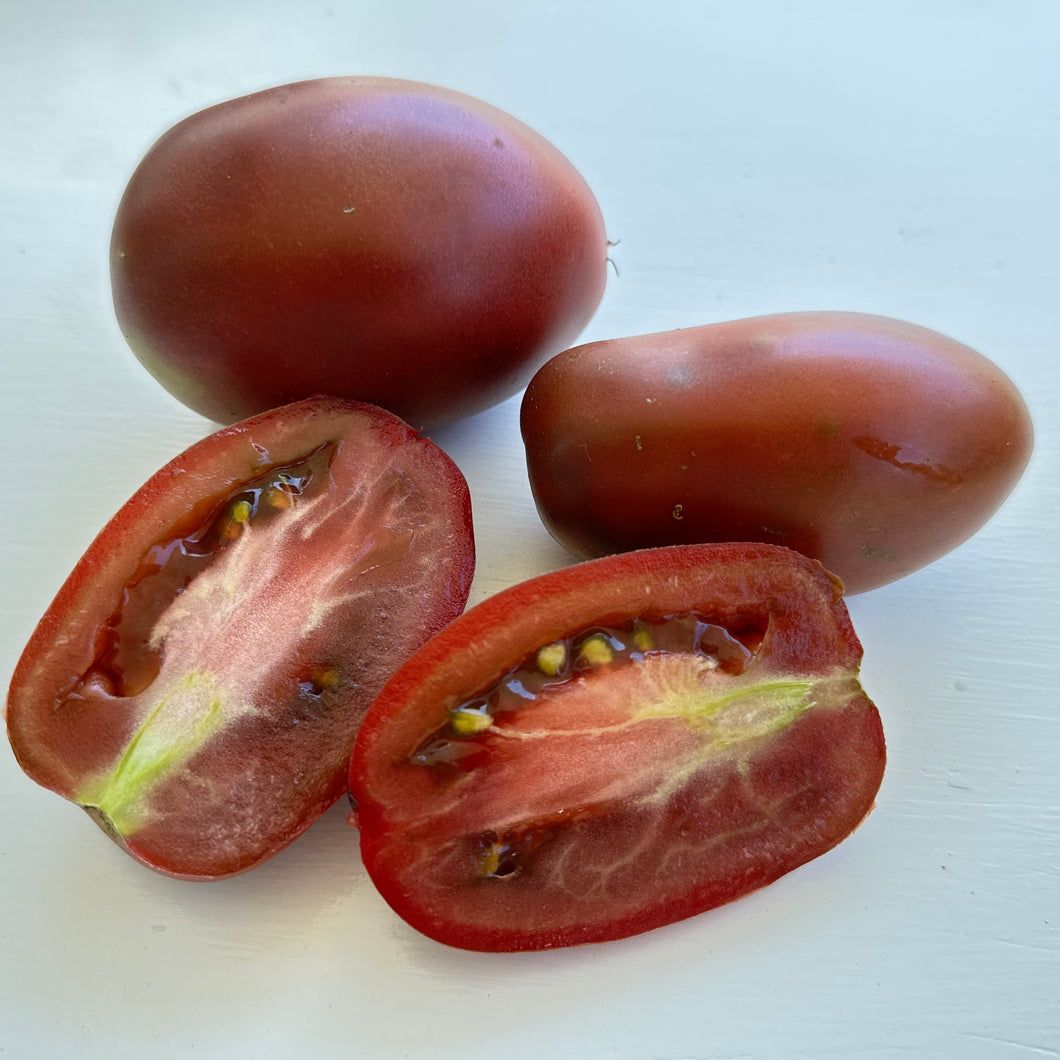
(502, 858)
(461, 741)
(321, 680)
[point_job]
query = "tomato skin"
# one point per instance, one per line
(413, 825)
(347, 590)
(375, 239)
(870, 444)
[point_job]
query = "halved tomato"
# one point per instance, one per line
(616, 746)
(197, 683)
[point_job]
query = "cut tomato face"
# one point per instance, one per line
(616, 746)
(198, 681)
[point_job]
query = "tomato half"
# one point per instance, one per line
(197, 683)
(372, 238)
(616, 746)
(873, 445)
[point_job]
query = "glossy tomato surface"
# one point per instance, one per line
(873, 445)
(615, 746)
(197, 683)
(375, 239)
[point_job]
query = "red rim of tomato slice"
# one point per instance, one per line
(197, 682)
(616, 746)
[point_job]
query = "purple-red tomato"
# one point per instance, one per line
(375, 239)
(615, 746)
(198, 681)
(870, 444)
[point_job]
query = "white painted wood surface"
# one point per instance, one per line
(897, 158)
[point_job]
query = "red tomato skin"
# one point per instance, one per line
(272, 772)
(870, 444)
(400, 811)
(376, 239)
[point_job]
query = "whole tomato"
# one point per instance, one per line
(870, 444)
(369, 238)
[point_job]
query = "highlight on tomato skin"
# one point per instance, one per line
(873, 445)
(197, 683)
(615, 746)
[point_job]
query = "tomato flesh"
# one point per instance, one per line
(632, 768)
(197, 683)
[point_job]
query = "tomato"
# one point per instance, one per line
(198, 680)
(615, 746)
(374, 239)
(873, 445)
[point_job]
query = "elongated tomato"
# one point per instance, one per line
(616, 746)
(873, 445)
(197, 683)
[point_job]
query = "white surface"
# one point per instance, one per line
(897, 158)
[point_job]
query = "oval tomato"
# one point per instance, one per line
(198, 680)
(375, 239)
(616, 746)
(872, 445)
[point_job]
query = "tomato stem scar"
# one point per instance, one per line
(178, 725)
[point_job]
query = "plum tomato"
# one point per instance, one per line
(197, 683)
(375, 239)
(870, 444)
(616, 746)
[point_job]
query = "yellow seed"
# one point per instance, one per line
(278, 498)
(241, 511)
(642, 638)
(596, 651)
(326, 678)
(467, 722)
(489, 861)
(552, 658)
